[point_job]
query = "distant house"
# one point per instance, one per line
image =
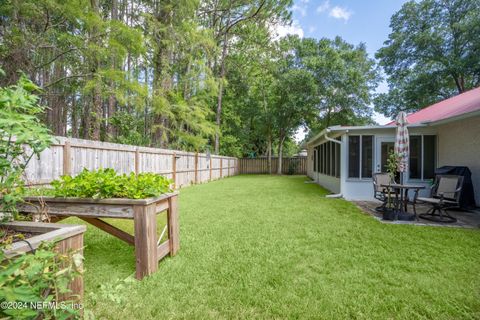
(342, 159)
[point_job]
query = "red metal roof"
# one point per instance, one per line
(466, 102)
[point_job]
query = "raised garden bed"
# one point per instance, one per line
(148, 250)
(67, 237)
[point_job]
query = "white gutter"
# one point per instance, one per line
(330, 139)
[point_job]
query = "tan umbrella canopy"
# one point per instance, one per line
(402, 143)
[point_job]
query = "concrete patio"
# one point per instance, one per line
(465, 219)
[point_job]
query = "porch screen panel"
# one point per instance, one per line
(367, 156)
(429, 152)
(315, 159)
(334, 159)
(319, 162)
(328, 147)
(337, 160)
(354, 156)
(324, 166)
(415, 157)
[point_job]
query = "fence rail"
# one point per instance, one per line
(294, 165)
(70, 156)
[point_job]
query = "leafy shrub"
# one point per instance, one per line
(38, 278)
(292, 166)
(106, 183)
(22, 136)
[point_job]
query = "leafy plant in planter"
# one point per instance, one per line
(392, 165)
(22, 136)
(106, 183)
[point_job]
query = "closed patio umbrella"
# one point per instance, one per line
(402, 143)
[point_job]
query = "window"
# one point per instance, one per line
(422, 162)
(360, 156)
(367, 156)
(429, 156)
(415, 157)
(354, 156)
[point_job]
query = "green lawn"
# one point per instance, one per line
(275, 247)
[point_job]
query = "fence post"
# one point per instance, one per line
(174, 170)
(196, 167)
(67, 158)
(137, 161)
(221, 167)
(210, 168)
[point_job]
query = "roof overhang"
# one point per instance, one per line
(336, 131)
(456, 118)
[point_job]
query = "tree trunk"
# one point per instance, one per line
(97, 111)
(220, 89)
(111, 99)
(269, 154)
(280, 154)
(74, 117)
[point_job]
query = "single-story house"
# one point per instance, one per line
(343, 158)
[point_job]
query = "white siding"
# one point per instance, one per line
(459, 145)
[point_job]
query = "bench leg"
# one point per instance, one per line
(145, 221)
(173, 225)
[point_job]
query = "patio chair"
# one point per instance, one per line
(445, 195)
(379, 192)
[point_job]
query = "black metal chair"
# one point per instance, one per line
(445, 195)
(379, 192)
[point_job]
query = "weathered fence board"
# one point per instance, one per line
(71, 156)
(294, 165)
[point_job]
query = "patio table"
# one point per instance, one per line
(401, 197)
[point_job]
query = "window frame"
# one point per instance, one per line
(422, 155)
(360, 156)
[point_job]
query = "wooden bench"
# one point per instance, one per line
(148, 250)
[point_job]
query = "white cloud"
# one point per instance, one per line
(324, 6)
(340, 13)
(302, 10)
(284, 30)
(380, 118)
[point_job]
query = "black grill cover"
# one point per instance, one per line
(467, 198)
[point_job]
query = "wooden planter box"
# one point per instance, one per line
(148, 250)
(68, 238)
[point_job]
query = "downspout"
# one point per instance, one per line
(338, 195)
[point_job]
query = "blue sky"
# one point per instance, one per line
(354, 20)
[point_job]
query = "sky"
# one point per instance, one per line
(355, 21)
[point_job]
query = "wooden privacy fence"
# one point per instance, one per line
(70, 156)
(294, 165)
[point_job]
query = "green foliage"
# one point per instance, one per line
(128, 129)
(38, 277)
(22, 136)
(106, 183)
(431, 54)
(392, 165)
(292, 166)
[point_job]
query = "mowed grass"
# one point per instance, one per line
(274, 247)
